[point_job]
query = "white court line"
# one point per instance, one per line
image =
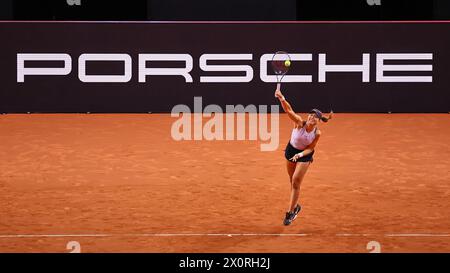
(417, 235)
(52, 235)
(223, 235)
(148, 235)
(395, 235)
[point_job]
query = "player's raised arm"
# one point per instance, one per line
(287, 107)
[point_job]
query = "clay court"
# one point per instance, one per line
(119, 183)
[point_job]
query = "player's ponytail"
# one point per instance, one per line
(321, 116)
(326, 119)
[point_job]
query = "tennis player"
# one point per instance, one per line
(300, 150)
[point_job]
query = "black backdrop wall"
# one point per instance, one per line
(224, 10)
(343, 44)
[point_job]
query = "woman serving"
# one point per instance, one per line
(299, 151)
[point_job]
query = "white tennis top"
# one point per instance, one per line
(300, 138)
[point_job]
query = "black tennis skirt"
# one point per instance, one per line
(291, 151)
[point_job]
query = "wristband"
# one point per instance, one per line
(300, 154)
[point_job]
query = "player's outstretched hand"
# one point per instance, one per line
(296, 157)
(278, 94)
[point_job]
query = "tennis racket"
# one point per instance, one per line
(281, 62)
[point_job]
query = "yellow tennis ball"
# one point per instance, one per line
(287, 63)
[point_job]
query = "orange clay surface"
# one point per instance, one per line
(120, 183)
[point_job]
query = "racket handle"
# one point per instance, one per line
(278, 86)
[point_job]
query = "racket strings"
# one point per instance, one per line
(279, 66)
